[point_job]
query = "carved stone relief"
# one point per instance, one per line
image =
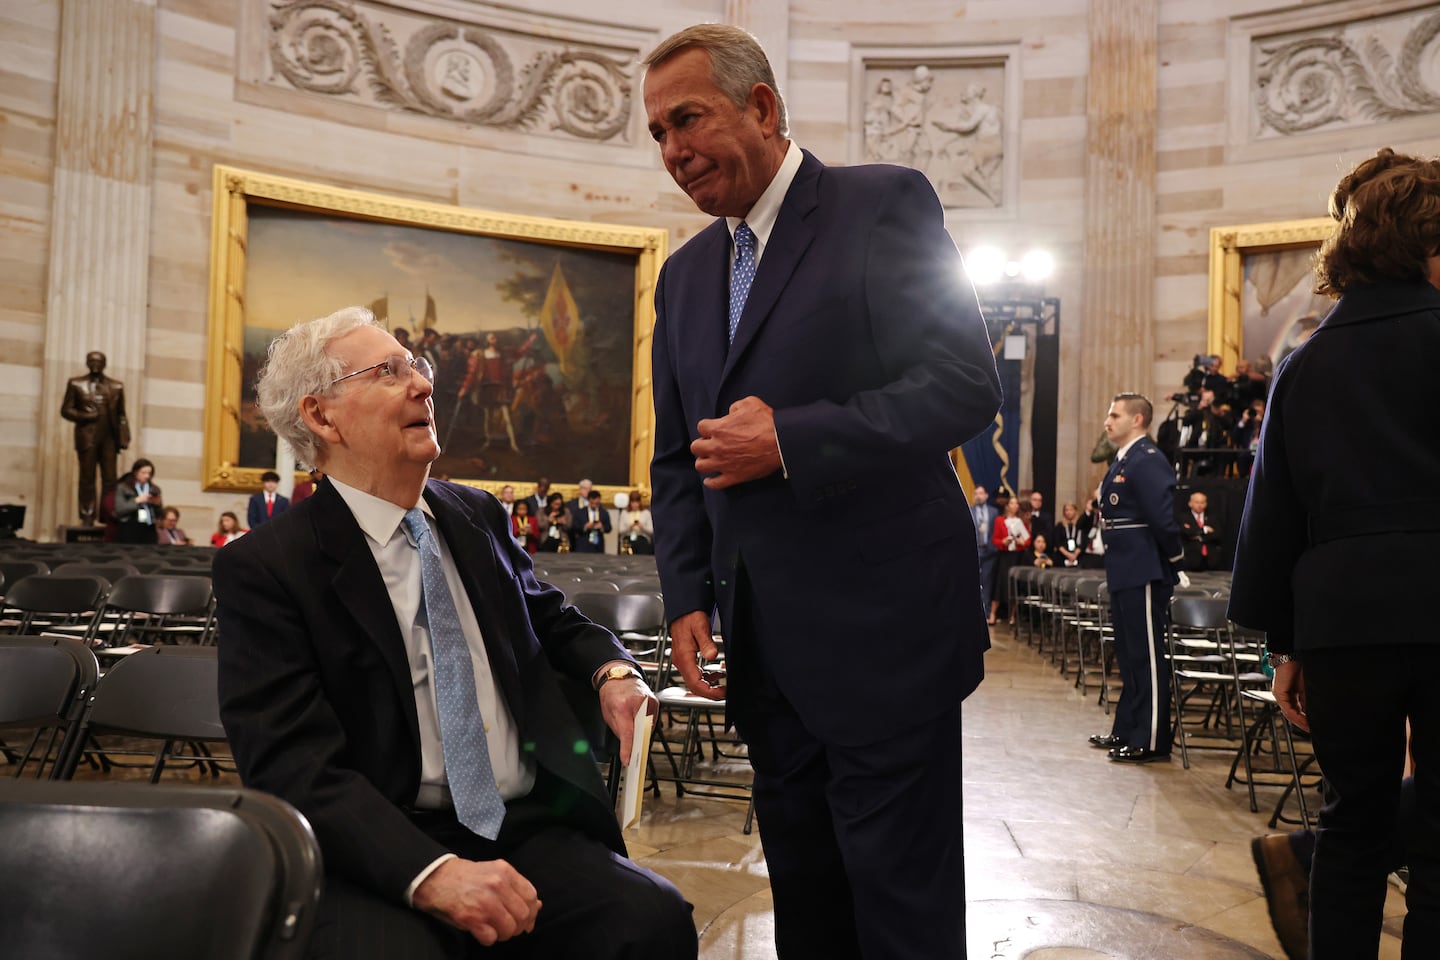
(946, 120)
(368, 53)
(1366, 71)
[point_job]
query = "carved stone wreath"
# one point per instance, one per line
(451, 70)
(1319, 80)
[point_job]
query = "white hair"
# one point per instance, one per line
(298, 365)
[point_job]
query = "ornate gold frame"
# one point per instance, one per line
(236, 189)
(1228, 248)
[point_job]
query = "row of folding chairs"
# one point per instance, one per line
(136, 609)
(52, 687)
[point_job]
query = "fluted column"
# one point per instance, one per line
(1117, 346)
(100, 226)
(769, 21)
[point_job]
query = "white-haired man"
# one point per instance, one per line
(390, 666)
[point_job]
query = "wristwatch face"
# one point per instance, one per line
(619, 673)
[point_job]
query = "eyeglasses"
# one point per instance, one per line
(394, 366)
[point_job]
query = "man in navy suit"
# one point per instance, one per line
(390, 665)
(984, 516)
(817, 350)
(1142, 549)
(268, 503)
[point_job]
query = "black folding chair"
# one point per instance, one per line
(151, 608)
(14, 570)
(112, 570)
(46, 602)
(161, 693)
(44, 683)
(224, 874)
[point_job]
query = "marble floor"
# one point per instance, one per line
(1068, 855)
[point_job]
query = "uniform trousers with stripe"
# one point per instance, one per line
(1142, 717)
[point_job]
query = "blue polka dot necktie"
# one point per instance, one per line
(462, 730)
(742, 275)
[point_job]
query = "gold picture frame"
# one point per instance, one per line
(1229, 249)
(285, 207)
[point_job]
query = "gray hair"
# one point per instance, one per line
(737, 62)
(298, 365)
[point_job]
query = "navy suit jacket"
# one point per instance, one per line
(255, 512)
(315, 687)
(862, 332)
(1342, 500)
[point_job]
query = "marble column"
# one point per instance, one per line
(769, 21)
(100, 228)
(1117, 316)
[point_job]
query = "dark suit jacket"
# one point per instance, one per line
(862, 333)
(1140, 488)
(1342, 482)
(315, 687)
(97, 408)
(255, 512)
(1196, 538)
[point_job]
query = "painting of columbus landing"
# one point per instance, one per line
(532, 343)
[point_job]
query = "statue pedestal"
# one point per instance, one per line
(81, 534)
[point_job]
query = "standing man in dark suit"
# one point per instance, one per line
(95, 403)
(1142, 547)
(1202, 539)
(984, 516)
(538, 498)
(1040, 521)
(589, 524)
(390, 666)
(268, 503)
(818, 348)
(577, 509)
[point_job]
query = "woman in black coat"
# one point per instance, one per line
(138, 506)
(1335, 560)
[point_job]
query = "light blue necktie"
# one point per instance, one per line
(742, 275)
(462, 730)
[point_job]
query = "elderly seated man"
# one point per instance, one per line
(389, 665)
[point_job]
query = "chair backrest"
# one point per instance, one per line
(16, 570)
(43, 678)
(167, 692)
(110, 571)
(154, 593)
(622, 612)
(226, 874)
(1199, 613)
(68, 599)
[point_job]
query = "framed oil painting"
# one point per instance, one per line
(539, 329)
(1261, 280)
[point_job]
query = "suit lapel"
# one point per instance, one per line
(708, 331)
(357, 581)
(472, 547)
(789, 239)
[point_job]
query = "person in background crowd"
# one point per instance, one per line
(138, 505)
(1247, 434)
(1040, 552)
(1331, 520)
(636, 525)
(557, 523)
(1067, 538)
(228, 530)
(1092, 556)
(579, 509)
(525, 528)
(588, 529)
(984, 514)
(266, 503)
(540, 497)
(1203, 540)
(169, 533)
(507, 499)
(1039, 519)
(1011, 536)
(306, 488)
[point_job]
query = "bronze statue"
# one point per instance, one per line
(95, 403)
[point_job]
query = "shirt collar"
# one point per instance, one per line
(761, 218)
(379, 519)
(1120, 454)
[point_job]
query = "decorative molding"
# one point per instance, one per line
(550, 82)
(950, 112)
(1345, 75)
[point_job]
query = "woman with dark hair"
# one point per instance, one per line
(525, 528)
(1343, 485)
(137, 504)
(557, 524)
(1011, 537)
(637, 529)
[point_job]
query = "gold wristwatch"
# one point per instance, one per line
(618, 672)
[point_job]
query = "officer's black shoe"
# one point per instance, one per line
(1105, 741)
(1129, 754)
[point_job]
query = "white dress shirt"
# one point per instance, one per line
(399, 563)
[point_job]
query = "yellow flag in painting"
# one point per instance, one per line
(560, 319)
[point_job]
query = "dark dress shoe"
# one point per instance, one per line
(1287, 892)
(1129, 754)
(1105, 741)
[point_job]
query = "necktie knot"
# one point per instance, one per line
(418, 529)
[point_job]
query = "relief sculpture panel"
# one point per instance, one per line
(470, 73)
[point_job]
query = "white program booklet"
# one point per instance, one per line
(632, 788)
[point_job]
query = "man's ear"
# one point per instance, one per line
(312, 411)
(768, 108)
